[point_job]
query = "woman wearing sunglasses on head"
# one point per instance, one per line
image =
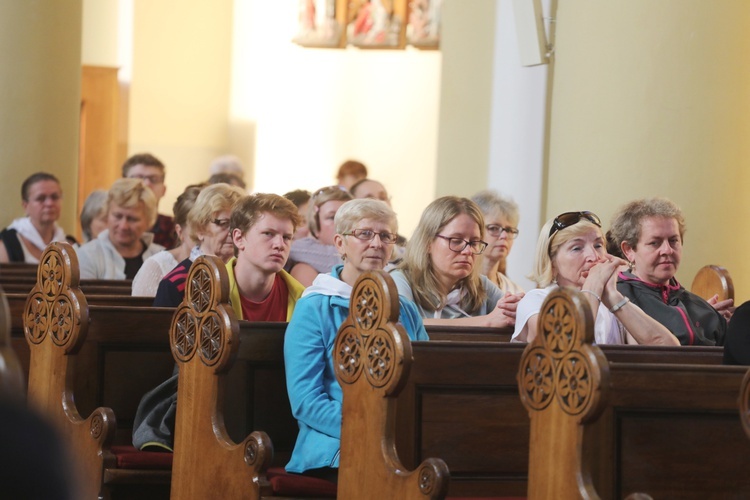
(364, 237)
(501, 223)
(649, 233)
(571, 252)
(439, 271)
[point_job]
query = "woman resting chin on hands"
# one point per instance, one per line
(571, 252)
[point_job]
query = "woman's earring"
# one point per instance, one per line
(631, 265)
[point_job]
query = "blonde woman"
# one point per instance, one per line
(118, 252)
(439, 272)
(316, 253)
(571, 252)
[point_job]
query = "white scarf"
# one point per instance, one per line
(25, 228)
(451, 301)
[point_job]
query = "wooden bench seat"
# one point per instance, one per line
(610, 429)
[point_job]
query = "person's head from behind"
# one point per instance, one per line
(501, 224)
(650, 232)
(301, 200)
(365, 233)
(371, 189)
(41, 198)
(442, 251)
(227, 178)
(94, 214)
(350, 172)
(263, 226)
(227, 164)
(181, 209)
(149, 169)
(568, 246)
(131, 210)
(209, 219)
(323, 207)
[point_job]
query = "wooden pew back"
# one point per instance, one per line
(372, 358)
(713, 280)
(204, 341)
(615, 428)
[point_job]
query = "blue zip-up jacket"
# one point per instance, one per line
(314, 393)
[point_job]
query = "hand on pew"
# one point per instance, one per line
(724, 307)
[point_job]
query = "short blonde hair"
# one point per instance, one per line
(353, 211)
(547, 247)
(129, 193)
(247, 210)
(417, 263)
(211, 200)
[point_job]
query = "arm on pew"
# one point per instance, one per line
(372, 357)
(205, 338)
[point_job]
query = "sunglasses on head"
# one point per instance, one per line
(570, 218)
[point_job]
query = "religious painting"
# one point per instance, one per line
(423, 29)
(379, 24)
(321, 23)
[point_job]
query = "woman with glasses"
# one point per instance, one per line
(316, 253)
(571, 252)
(501, 224)
(439, 272)
(649, 233)
(208, 227)
(365, 231)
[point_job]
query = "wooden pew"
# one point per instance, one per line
(610, 429)
(208, 463)
(87, 356)
(12, 379)
(713, 280)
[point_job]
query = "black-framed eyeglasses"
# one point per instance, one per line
(368, 234)
(222, 223)
(459, 244)
(569, 218)
(496, 230)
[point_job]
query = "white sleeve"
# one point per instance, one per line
(529, 305)
(146, 281)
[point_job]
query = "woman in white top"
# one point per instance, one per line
(146, 282)
(571, 253)
(501, 223)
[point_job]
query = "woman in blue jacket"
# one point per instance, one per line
(365, 233)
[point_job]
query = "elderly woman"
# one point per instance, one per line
(27, 237)
(118, 252)
(209, 231)
(501, 223)
(316, 253)
(146, 282)
(439, 271)
(94, 215)
(649, 232)
(365, 234)
(571, 252)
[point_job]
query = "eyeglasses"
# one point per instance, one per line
(329, 189)
(459, 244)
(496, 231)
(569, 218)
(151, 179)
(222, 223)
(368, 234)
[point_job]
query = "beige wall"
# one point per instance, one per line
(40, 78)
(468, 43)
(179, 97)
(653, 98)
(304, 111)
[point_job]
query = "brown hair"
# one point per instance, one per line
(248, 210)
